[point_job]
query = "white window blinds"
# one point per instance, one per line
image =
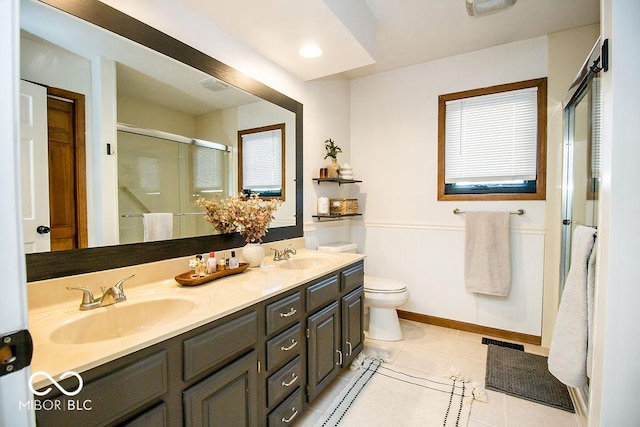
(209, 168)
(262, 160)
(596, 122)
(492, 138)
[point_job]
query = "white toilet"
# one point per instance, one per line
(382, 296)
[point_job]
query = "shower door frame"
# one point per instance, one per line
(578, 90)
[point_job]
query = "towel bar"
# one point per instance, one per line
(518, 212)
(174, 214)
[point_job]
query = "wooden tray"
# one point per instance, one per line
(185, 279)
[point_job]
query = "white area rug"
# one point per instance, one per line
(385, 395)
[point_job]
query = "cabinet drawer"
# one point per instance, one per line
(352, 277)
(114, 395)
(283, 312)
(208, 349)
(284, 346)
(287, 412)
(322, 292)
(283, 382)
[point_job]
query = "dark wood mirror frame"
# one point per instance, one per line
(49, 265)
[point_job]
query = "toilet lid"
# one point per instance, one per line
(383, 285)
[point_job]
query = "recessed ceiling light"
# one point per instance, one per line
(310, 50)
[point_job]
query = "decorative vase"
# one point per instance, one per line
(333, 169)
(253, 254)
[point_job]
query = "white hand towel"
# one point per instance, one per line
(157, 226)
(487, 257)
(568, 350)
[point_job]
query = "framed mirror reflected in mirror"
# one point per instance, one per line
(160, 129)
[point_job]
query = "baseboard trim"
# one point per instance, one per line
(470, 327)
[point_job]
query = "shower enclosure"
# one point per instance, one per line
(581, 168)
(166, 173)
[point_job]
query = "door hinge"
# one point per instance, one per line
(307, 389)
(16, 351)
(259, 367)
(308, 333)
(604, 53)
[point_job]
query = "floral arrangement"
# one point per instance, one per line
(332, 149)
(249, 215)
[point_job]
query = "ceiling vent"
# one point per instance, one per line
(482, 7)
(213, 84)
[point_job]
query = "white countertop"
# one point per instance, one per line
(214, 300)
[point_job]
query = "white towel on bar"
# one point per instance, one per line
(591, 290)
(487, 257)
(157, 226)
(568, 350)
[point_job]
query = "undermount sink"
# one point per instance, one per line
(307, 262)
(119, 320)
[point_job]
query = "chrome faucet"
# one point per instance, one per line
(112, 295)
(285, 254)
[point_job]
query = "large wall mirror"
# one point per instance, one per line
(134, 122)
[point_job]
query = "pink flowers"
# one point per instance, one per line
(249, 215)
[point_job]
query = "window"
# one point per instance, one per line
(492, 142)
(261, 161)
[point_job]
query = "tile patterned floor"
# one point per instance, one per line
(436, 350)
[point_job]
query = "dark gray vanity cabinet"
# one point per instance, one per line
(192, 379)
(226, 398)
(259, 366)
(323, 354)
(335, 331)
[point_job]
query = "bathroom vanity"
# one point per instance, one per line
(255, 351)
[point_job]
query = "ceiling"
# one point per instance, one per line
(362, 37)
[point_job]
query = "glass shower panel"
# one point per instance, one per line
(581, 165)
(159, 175)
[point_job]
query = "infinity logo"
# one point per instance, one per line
(55, 383)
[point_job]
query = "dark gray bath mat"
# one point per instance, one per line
(514, 346)
(526, 376)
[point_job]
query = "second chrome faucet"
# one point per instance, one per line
(285, 254)
(112, 295)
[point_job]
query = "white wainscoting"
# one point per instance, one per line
(430, 260)
(325, 232)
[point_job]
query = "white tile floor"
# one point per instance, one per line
(437, 350)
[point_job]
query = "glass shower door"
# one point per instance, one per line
(581, 165)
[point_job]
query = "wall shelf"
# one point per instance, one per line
(334, 216)
(340, 181)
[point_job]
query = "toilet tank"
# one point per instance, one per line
(339, 247)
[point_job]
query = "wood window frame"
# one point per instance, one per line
(541, 161)
(279, 126)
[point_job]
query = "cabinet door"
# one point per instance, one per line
(228, 398)
(352, 318)
(324, 351)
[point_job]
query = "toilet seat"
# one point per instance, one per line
(379, 285)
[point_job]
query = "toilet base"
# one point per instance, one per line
(384, 324)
